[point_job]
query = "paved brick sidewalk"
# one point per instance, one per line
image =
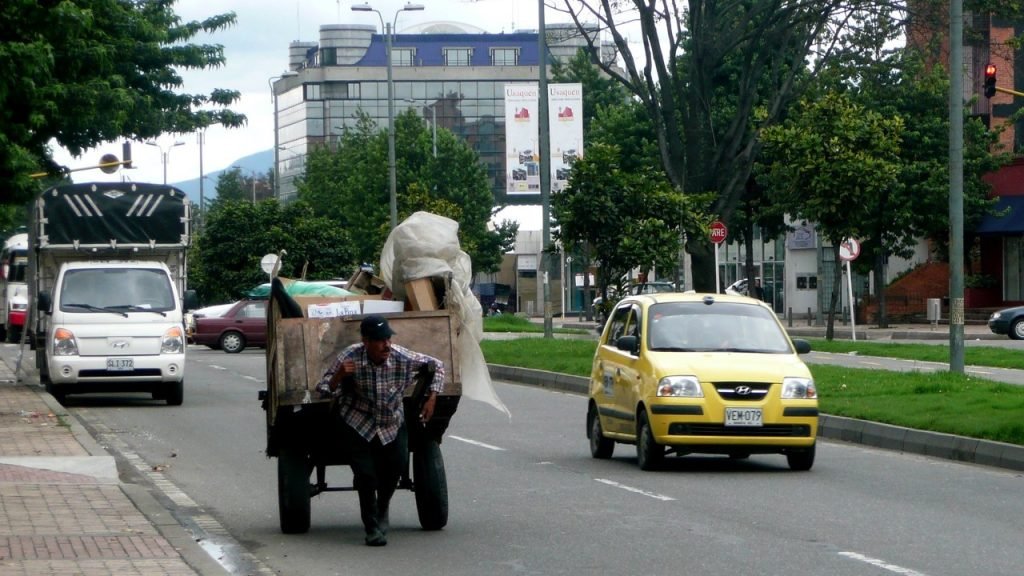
(63, 510)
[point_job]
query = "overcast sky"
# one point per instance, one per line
(256, 48)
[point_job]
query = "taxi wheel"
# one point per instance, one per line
(801, 461)
(600, 447)
(649, 454)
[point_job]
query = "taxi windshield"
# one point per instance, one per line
(720, 326)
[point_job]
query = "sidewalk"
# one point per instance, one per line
(64, 511)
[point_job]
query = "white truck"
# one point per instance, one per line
(13, 288)
(107, 276)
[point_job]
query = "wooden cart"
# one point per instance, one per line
(302, 430)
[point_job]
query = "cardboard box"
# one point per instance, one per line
(322, 305)
(365, 283)
(421, 294)
(382, 306)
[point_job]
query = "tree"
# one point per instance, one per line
(619, 219)
(79, 73)
(754, 50)
(349, 185)
(225, 256)
(832, 163)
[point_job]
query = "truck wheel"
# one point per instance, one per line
(431, 485)
(56, 391)
(293, 505)
(174, 393)
(232, 342)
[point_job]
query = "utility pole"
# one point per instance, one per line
(545, 168)
(956, 186)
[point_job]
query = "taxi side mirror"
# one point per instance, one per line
(802, 346)
(629, 344)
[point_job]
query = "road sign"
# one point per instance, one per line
(268, 262)
(849, 250)
(718, 232)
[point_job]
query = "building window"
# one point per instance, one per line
(313, 92)
(504, 56)
(341, 91)
(403, 56)
(457, 56)
(328, 57)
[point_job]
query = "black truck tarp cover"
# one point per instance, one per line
(97, 213)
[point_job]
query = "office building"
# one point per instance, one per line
(449, 71)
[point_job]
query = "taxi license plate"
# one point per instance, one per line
(743, 417)
(120, 364)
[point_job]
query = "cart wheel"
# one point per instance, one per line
(293, 471)
(431, 485)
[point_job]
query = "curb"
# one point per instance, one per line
(875, 434)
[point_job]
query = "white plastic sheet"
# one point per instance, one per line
(426, 245)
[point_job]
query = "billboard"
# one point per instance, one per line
(522, 135)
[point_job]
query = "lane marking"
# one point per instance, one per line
(475, 443)
(879, 563)
(635, 490)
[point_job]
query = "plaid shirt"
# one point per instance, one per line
(376, 410)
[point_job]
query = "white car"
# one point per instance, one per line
(207, 312)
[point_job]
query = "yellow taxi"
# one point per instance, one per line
(700, 373)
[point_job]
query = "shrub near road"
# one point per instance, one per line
(941, 402)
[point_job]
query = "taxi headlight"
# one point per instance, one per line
(173, 341)
(995, 316)
(64, 343)
(19, 306)
(793, 387)
(680, 387)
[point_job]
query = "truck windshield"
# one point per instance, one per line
(116, 289)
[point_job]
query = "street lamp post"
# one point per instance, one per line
(277, 144)
(433, 123)
(165, 154)
(388, 39)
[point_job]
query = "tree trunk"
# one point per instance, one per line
(837, 284)
(702, 258)
(880, 282)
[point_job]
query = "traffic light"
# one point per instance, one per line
(990, 80)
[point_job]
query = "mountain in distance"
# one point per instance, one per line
(259, 162)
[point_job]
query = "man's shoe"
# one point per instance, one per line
(376, 538)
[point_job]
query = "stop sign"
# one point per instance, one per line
(718, 232)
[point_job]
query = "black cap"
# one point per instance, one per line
(376, 328)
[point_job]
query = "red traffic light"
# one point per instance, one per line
(990, 80)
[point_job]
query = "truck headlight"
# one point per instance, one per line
(793, 387)
(680, 387)
(173, 341)
(64, 343)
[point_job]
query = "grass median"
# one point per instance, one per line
(940, 401)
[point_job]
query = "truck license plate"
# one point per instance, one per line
(743, 417)
(120, 364)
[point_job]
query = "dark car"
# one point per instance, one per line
(244, 324)
(1009, 321)
(600, 310)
